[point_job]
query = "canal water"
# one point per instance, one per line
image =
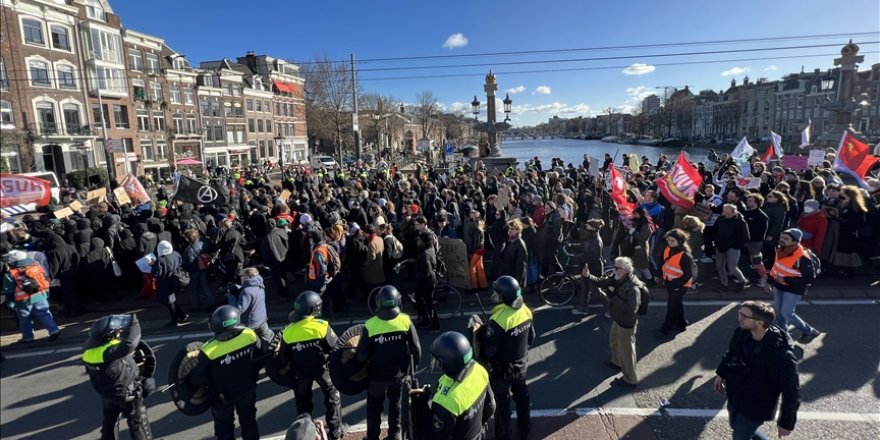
(573, 150)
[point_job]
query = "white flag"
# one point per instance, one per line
(805, 135)
(743, 151)
(777, 144)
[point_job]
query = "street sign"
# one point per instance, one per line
(449, 149)
(114, 145)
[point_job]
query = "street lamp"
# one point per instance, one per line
(475, 107)
(507, 102)
(278, 141)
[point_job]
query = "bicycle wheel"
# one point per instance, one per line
(371, 300)
(558, 289)
(447, 300)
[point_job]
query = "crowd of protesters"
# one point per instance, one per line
(343, 230)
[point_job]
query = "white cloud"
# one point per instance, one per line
(517, 89)
(555, 108)
(639, 69)
(542, 90)
(735, 71)
(639, 93)
(455, 41)
(770, 68)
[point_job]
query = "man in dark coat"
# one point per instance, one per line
(273, 251)
(513, 258)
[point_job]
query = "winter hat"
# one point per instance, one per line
(354, 228)
(814, 204)
(282, 223)
(164, 248)
(794, 233)
(305, 219)
(382, 202)
(16, 255)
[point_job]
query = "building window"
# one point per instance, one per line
(140, 90)
(204, 107)
(147, 148)
(263, 149)
(120, 113)
(156, 92)
(152, 63)
(111, 79)
(178, 63)
(143, 120)
(135, 60)
(174, 91)
(278, 108)
(33, 31)
(259, 105)
(215, 109)
(106, 46)
(286, 130)
(39, 73)
(60, 38)
(99, 115)
(218, 133)
(268, 125)
(71, 119)
(260, 126)
(251, 125)
(188, 96)
(46, 117)
(4, 80)
(6, 117)
(65, 77)
(159, 121)
(95, 11)
(249, 105)
(191, 124)
(237, 111)
(177, 119)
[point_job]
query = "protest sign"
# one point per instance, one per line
(795, 162)
(96, 194)
(75, 205)
(121, 196)
(816, 157)
(284, 196)
(63, 213)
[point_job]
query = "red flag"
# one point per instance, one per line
(135, 190)
(681, 183)
(854, 158)
(618, 194)
(16, 189)
(767, 154)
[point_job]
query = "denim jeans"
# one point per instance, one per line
(784, 304)
(39, 310)
(743, 427)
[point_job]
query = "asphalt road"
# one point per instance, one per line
(48, 396)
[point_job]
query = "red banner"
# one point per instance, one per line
(16, 189)
(618, 194)
(135, 190)
(681, 183)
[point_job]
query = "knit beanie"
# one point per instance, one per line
(794, 233)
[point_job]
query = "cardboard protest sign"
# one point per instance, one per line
(121, 196)
(63, 213)
(96, 194)
(75, 205)
(748, 182)
(284, 196)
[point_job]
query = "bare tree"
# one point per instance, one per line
(329, 102)
(427, 109)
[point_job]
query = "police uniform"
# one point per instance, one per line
(305, 346)
(114, 375)
(230, 370)
(460, 408)
(389, 345)
(506, 346)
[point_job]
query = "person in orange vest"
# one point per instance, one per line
(324, 263)
(677, 276)
(792, 273)
(26, 288)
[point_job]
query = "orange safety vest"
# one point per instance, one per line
(34, 271)
(322, 249)
(787, 266)
(672, 267)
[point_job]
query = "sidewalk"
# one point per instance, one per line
(153, 316)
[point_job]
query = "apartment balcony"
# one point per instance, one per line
(187, 132)
(55, 130)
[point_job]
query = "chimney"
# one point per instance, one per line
(251, 60)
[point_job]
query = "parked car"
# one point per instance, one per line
(326, 161)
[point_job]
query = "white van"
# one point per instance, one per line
(50, 177)
(326, 161)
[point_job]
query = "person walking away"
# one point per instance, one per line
(229, 249)
(425, 274)
(250, 301)
(274, 250)
(306, 344)
(463, 401)
(677, 276)
(26, 289)
(792, 274)
(228, 364)
(758, 368)
(623, 297)
(107, 355)
(757, 222)
(731, 235)
(373, 272)
(509, 334)
(324, 264)
(390, 344)
(165, 269)
(201, 293)
(591, 252)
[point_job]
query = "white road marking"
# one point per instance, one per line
(669, 412)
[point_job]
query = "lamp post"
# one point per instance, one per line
(844, 104)
(491, 129)
(278, 145)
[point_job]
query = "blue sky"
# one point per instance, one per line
(300, 30)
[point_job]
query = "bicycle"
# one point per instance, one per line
(560, 288)
(446, 297)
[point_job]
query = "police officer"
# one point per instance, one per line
(115, 375)
(506, 346)
(391, 345)
(463, 402)
(228, 364)
(305, 346)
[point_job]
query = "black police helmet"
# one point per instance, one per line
(507, 290)
(108, 327)
(226, 319)
(307, 303)
(388, 298)
(453, 352)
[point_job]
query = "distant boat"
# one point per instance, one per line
(649, 142)
(610, 139)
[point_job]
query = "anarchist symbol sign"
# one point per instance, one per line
(206, 194)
